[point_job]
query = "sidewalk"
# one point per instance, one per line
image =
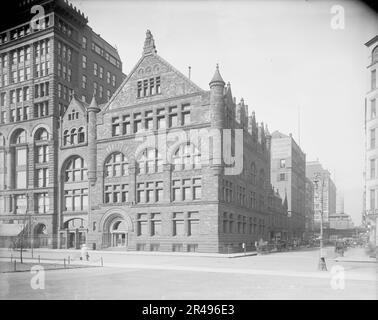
(142, 253)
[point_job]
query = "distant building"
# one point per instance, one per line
(324, 202)
(340, 221)
(371, 146)
(288, 165)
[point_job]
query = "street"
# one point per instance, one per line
(287, 275)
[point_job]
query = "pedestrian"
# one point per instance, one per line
(84, 252)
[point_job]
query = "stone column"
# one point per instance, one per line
(167, 182)
(132, 184)
(9, 167)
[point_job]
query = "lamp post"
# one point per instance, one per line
(318, 176)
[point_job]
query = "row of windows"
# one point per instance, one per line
(100, 51)
(64, 92)
(182, 225)
(241, 224)
(41, 109)
(64, 72)
(76, 200)
(148, 87)
(73, 136)
(150, 120)
(64, 52)
(240, 197)
(65, 28)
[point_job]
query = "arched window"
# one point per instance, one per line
(116, 165)
(150, 161)
(19, 137)
(73, 136)
(375, 55)
(81, 135)
(41, 134)
(76, 170)
(2, 140)
(186, 157)
(253, 172)
(66, 137)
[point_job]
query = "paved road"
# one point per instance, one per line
(291, 275)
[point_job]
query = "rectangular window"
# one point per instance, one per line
(155, 224)
(373, 111)
(84, 62)
(84, 43)
(42, 203)
(193, 223)
(373, 79)
(178, 224)
(372, 168)
(84, 82)
(282, 163)
(95, 69)
(115, 126)
(372, 199)
(372, 138)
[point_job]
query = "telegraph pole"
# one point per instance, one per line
(319, 176)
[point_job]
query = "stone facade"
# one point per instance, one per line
(151, 184)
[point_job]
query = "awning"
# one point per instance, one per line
(11, 229)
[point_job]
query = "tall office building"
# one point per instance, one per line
(44, 59)
(288, 175)
(371, 147)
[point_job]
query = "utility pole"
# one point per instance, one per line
(319, 176)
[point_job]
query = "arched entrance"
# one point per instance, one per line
(119, 234)
(117, 228)
(73, 234)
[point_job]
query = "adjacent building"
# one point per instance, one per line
(371, 147)
(288, 175)
(324, 192)
(42, 64)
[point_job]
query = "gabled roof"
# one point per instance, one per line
(76, 102)
(150, 50)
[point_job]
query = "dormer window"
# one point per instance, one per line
(148, 87)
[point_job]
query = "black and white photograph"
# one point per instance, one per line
(206, 152)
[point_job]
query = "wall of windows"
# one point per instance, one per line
(186, 189)
(159, 118)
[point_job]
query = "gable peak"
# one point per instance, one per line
(149, 44)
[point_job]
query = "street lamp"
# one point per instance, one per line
(321, 265)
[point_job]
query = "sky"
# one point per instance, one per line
(299, 73)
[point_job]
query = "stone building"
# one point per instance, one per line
(371, 147)
(155, 169)
(288, 175)
(41, 65)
